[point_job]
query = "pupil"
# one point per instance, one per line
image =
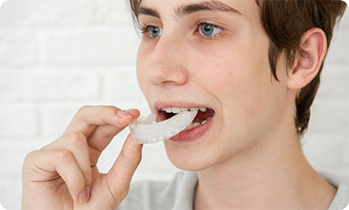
(206, 29)
(154, 31)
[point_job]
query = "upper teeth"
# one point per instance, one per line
(177, 110)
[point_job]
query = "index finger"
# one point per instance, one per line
(100, 119)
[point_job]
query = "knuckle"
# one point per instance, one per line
(77, 139)
(111, 110)
(123, 194)
(29, 156)
(84, 109)
(64, 156)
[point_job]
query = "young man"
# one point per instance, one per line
(253, 68)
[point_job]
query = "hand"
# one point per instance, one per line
(63, 174)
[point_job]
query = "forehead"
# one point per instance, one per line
(179, 8)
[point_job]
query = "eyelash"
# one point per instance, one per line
(145, 29)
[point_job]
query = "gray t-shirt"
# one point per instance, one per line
(178, 194)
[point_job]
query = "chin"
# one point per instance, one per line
(187, 157)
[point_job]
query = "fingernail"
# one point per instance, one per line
(88, 193)
(122, 114)
(82, 198)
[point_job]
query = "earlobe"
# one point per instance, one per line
(313, 49)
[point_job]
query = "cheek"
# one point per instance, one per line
(220, 77)
(142, 57)
(242, 85)
(230, 78)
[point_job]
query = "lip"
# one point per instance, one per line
(188, 135)
(158, 105)
(194, 133)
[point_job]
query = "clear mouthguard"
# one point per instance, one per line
(145, 130)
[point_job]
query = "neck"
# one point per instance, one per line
(274, 174)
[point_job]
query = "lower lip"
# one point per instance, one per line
(192, 134)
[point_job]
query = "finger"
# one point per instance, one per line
(120, 175)
(76, 143)
(103, 134)
(45, 164)
(90, 119)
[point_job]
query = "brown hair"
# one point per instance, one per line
(285, 21)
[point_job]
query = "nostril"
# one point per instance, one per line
(154, 77)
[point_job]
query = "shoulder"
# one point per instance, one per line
(342, 185)
(153, 195)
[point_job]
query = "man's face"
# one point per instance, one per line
(209, 54)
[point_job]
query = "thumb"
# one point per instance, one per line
(120, 175)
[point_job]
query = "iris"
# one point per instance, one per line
(155, 31)
(207, 29)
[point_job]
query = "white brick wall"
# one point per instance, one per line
(58, 55)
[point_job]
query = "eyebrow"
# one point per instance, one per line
(147, 11)
(205, 6)
(191, 8)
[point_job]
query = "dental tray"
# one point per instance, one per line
(146, 130)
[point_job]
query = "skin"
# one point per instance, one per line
(63, 174)
(250, 158)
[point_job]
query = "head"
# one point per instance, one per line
(256, 64)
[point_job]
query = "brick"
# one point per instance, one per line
(113, 12)
(55, 119)
(329, 116)
(334, 83)
(48, 86)
(92, 47)
(18, 120)
(19, 48)
(10, 188)
(157, 167)
(122, 86)
(327, 151)
(12, 154)
(46, 12)
(109, 155)
(338, 51)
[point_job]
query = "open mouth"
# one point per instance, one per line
(203, 116)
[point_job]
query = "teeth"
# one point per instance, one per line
(190, 126)
(193, 125)
(196, 124)
(177, 110)
(203, 109)
(168, 110)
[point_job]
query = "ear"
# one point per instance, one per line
(313, 48)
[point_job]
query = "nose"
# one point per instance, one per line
(167, 63)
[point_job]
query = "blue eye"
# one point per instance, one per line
(155, 31)
(209, 30)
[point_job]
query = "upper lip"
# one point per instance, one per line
(158, 105)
